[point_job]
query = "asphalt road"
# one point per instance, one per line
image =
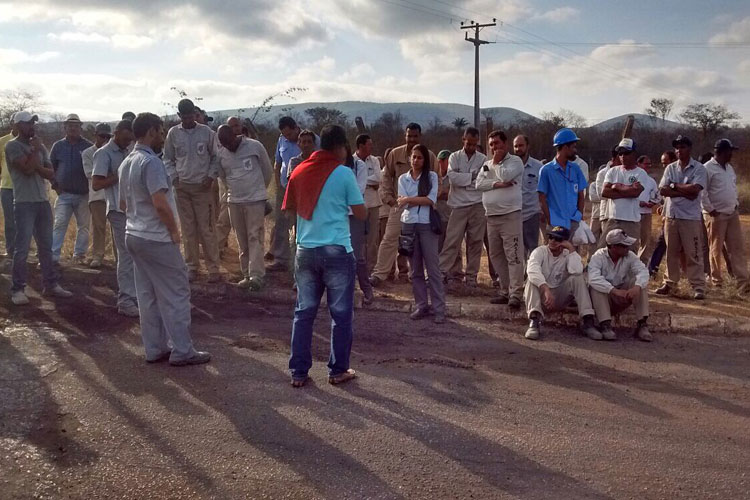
(463, 410)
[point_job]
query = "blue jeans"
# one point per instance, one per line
(69, 204)
(6, 198)
(329, 268)
(33, 219)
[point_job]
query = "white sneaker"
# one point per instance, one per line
(19, 298)
(58, 291)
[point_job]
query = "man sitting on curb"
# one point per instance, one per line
(555, 272)
(618, 279)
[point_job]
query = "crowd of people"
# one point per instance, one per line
(344, 216)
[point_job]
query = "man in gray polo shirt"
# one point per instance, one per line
(192, 162)
(153, 240)
(681, 185)
(30, 169)
(107, 161)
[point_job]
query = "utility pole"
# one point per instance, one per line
(477, 42)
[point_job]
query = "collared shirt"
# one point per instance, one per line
(6, 182)
(397, 163)
(26, 188)
(247, 171)
(372, 198)
(88, 167)
(330, 221)
(142, 175)
(462, 174)
(408, 186)
(191, 154)
(68, 165)
(285, 151)
(544, 268)
(598, 187)
(721, 189)
(594, 195)
(680, 207)
(107, 161)
(650, 194)
(561, 189)
(625, 209)
(604, 274)
(529, 185)
(501, 201)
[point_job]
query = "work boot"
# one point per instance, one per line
(663, 290)
(514, 303)
(19, 298)
(375, 281)
(420, 313)
(367, 297)
(95, 263)
(532, 333)
(500, 299)
(699, 295)
(589, 329)
(131, 311)
(78, 260)
(642, 333)
(605, 327)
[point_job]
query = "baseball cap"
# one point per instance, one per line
(626, 144)
(186, 106)
(442, 155)
(72, 118)
(103, 129)
(619, 237)
(24, 117)
(559, 232)
(681, 139)
(723, 144)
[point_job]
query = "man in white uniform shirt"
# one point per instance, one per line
(500, 184)
(721, 211)
(246, 170)
(623, 186)
(649, 198)
(530, 206)
(372, 197)
(617, 280)
(467, 213)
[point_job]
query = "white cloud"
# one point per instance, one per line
(10, 57)
(626, 51)
(558, 15)
(738, 32)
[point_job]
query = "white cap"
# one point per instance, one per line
(619, 237)
(626, 143)
(24, 116)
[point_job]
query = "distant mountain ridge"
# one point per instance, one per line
(425, 113)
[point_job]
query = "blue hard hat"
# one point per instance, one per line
(564, 136)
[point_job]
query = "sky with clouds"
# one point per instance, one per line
(600, 58)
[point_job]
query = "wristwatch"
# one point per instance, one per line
(671, 185)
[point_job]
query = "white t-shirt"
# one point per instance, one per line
(625, 209)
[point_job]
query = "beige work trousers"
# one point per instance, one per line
(605, 308)
(196, 209)
(504, 233)
(223, 224)
(725, 230)
(98, 210)
(469, 222)
(646, 247)
(685, 236)
(388, 249)
(373, 237)
(248, 223)
(632, 228)
(573, 288)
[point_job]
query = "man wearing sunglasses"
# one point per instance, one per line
(623, 185)
(618, 279)
(681, 185)
(555, 272)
